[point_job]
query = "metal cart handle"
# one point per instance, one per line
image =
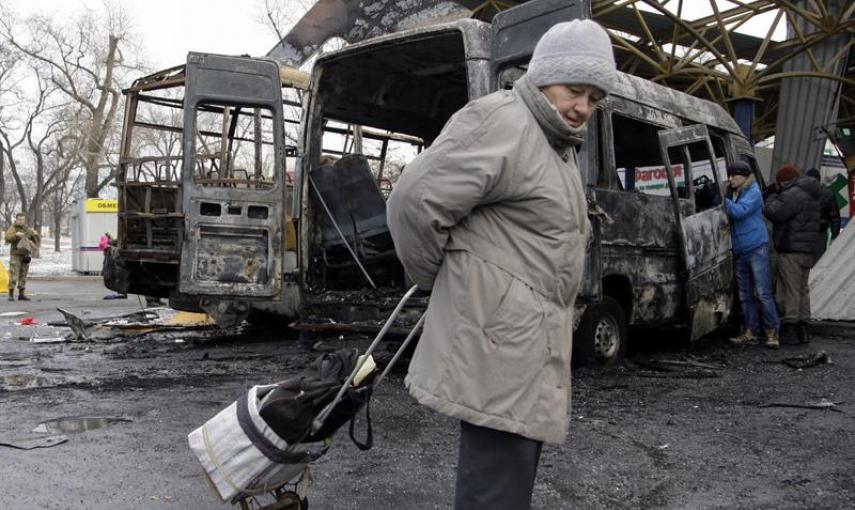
(324, 414)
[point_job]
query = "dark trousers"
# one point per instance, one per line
(495, 469)
(792, 285)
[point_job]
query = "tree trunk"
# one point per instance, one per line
(3, 178)
(102, 118)
(57, 221)
(90, 162)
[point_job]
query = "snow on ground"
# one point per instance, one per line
(50, 263)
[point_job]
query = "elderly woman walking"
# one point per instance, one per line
(493, 219)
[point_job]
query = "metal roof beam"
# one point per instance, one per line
(751, 8)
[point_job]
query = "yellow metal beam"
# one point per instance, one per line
(712, 49)
(766, 40)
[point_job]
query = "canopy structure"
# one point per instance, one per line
(699, 47)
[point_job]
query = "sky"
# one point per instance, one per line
(169, 29)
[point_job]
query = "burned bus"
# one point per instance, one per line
(659, 255)
(203, 186)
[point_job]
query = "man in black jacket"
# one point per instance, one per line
(829, 212)
(793, 207)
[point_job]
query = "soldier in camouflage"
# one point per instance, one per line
(19, 260)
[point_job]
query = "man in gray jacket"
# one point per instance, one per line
(492, 218)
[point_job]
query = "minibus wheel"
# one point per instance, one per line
(600, 339)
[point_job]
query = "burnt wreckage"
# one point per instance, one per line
(220, 224)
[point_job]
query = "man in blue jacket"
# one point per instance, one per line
(750, 241)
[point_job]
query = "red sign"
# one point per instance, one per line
(658, 173)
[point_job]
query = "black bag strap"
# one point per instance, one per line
(369, 434)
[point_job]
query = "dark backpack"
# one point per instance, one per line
(291, 407)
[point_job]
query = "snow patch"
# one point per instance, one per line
(51, 263)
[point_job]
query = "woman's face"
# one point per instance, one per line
(736, 180)
(576, 103)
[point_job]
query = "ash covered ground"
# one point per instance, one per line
(703, 426)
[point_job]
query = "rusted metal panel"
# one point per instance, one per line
(233, 234)
(232, 255)
(674, 102)
(166, 78)
(358, 21)
(517, 30)
(709, 244)
(364, 309)
(704, 238)
(644, 221)
(641, 244)
(654, 277)
(832, 294)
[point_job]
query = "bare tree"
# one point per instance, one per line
(55, 153)
(84, 59)
(60, 204)
(276, 17)
(9, 145)
(8, 100)
(163, 141)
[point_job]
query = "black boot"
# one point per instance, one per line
(11, 294)
(802, 333)
(22, 296)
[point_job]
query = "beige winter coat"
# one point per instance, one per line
(493, 218)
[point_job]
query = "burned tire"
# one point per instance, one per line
(600, 339)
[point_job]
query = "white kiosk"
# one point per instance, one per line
(91, 218)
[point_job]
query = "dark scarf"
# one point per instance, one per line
(560, 134)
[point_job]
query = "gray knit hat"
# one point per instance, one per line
(577, 51)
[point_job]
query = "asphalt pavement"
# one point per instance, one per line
(701, 426)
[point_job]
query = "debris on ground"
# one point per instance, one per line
(689, 363)
(689, 374)
(48, 340)
(807, 360)
(28, 321)
(75, 425)
(33, 442)
(77, 325)
(823, 404)
(150, 320)
(664, 368)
